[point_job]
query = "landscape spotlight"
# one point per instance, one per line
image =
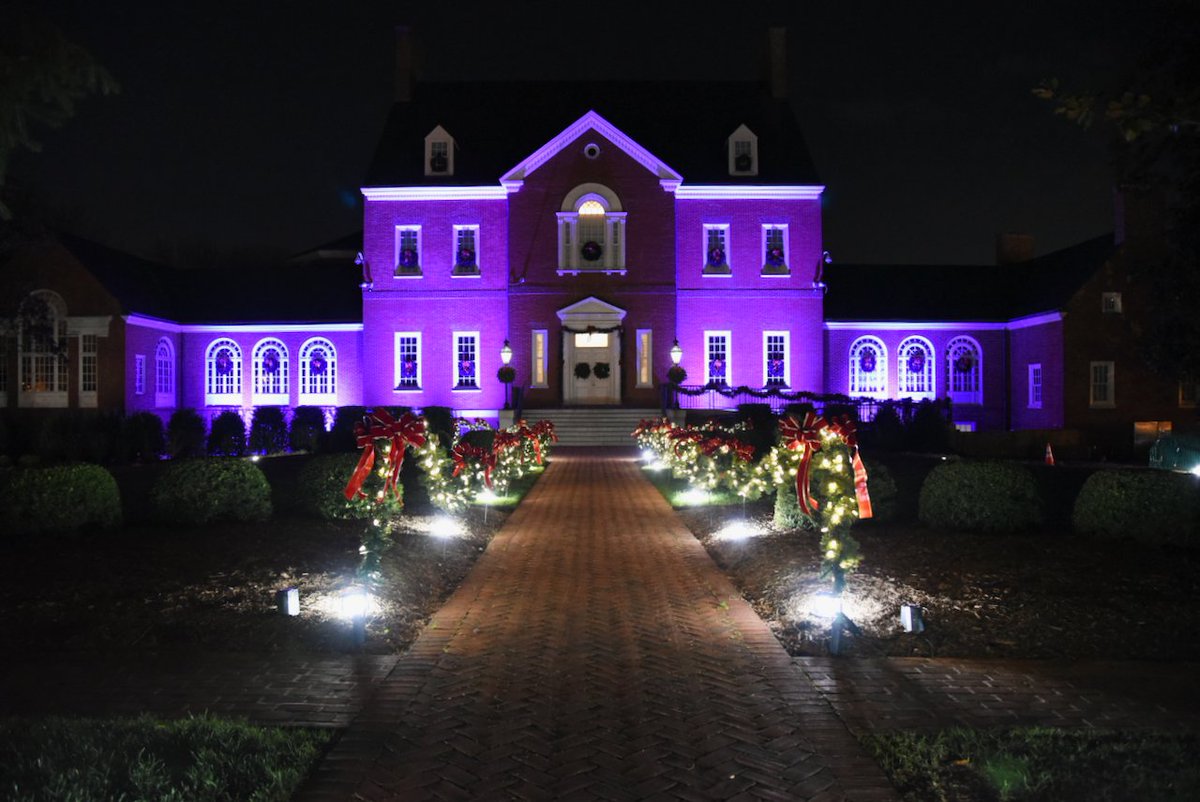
(288, 601)
(910, 618)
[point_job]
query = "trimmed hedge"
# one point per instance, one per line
(307, 432)
(1152, 506)
(341, 435)
(268, 431)
(61, 498)
(980, 497)
(228, 435)
(185, 434)
(322, 484)
(198, 491)
(144, 438)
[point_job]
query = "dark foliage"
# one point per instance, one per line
(199, 491)
(143, 437)
(341, 435)
(268, 431)
(228, 435)
(307, 430)
(1151, 506)
(185, 434)
(56, 499)
(980, 497)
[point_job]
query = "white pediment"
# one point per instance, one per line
(590, 122)
(591, 311)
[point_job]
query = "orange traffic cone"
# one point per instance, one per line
(1049, 455)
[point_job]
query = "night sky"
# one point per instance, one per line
(249, 126)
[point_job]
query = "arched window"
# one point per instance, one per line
(964, 371)
(270, 372)
(914, 369)
(591, 231)
(42, 320)
(164, 373)
(868, 368)
(223, 373)
(318, 372)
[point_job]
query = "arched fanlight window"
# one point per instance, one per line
(223, 373)
(868, 368)
(270, 372)
(591, 231)
(318, 371)
(964, 371)
(164, 373)
(914, 369)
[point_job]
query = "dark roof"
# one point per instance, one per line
(988, 293)
(683, 123)
(316, 292)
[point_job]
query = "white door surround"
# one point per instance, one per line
(591, 331)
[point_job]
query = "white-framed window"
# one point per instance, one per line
(42, 350)
(139, 374)
(1189, 393)
(1035, 385)
(645, 358)
(743, 152)
(777, 358)
(717, 367)
(868, 368)
(1110, 303)
(466, 360)
(716, 249)
(1102, 388)
(466, 250)
(270, 372)
(164, 373)
(318, 372)
(539, 349)
(89, 370)
(914, 368)
(407, 258)
(223, 373)
(591, 231)
(408, 361)
(964, 370)
(439, 153)
(775, 249)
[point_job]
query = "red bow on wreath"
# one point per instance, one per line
(462, 452)
(684, 436)
(806, 438)
(844, 427)
(380, 425)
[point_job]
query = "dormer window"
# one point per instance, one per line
(439, 153)
(591, 232)
(743, 152)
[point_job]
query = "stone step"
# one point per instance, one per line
(593, 426)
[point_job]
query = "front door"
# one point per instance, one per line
(591, 367)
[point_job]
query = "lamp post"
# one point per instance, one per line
(506, 357)
(676, 353)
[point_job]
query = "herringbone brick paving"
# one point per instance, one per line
(596, 652)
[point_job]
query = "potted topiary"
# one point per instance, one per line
(676, 374)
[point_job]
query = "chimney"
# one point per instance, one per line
(406, 64)
(1013, 248)
(777, 50)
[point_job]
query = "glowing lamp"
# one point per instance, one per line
(505, 353)
(355, 602)
(486, 496)
(288, 601)
(444, 526)
(1196, 469)
(825, 605)
(676, 353)
(910, 618)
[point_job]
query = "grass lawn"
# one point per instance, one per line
(1039, 763)
(679, 494)
(203, 758)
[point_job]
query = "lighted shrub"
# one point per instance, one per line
(185, 434)
(1152, 506)
(307, 432)
(60, 498)
(787, 509)
(268, 431)
(341, 435)
(980, 497)
(440, 421)
(199, 491)
(228, 435)
(143, 437)
(323, 482)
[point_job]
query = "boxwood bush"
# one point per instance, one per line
(143, 437)
(268, 431)
(341, 435)
(185, 434)
(60, 498)
(980, 497)
(307, 432)
(1153, 506)
(228, 435)
(323, 482)
(881, 487)
(199, 491)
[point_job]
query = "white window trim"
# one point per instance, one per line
(612, 260)
(965, 397)
(414, 272)
(139, 374)
(1034, 371)
(212, 399)
(728, 356)
(771, 270)
(317, 399)
(454, 377)
(396, 388)
(1115, 298)
(477, 270)
(439, 134)
(902, 369)
(89, 399)
(537, 353)
(1111, 402)
(787, 357)
(881, 365)
(270, 399)
(645, 354)
(165, 398)
(707, 271)
(743, 134)
(27, 360)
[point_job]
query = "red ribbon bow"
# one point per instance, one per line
(846, 429)
(806, 438)
(380, 425)
(462, 452)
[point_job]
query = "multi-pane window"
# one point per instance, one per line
(716, 249)
(1102, 390)
(42, 357)
(538, 376)
(591, 233)
(868, 368)
(466, 253)
(408, 251)
(645, 358)
(318, 371)
(408, 360)
(164, 373)
(743, 152)
(88, 354)
(775, 249)
(775, 358)
(1110, 303)
(964, 371)
(914, 369)
(1035, 385)
(466, 360)
(743, 159)
(439, 156)
(223, 373)
(139, 374)
(716, 368)
(270, 372)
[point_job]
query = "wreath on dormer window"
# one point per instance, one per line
(591, 250)
(716, 256)
(408, 257)
(466, 257)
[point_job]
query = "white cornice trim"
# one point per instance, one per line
(151, 323)
(435, 193)
(1035, 320)
(590, 121)
(904, 325)
(88, 324)
(258, 328)
(747, 192)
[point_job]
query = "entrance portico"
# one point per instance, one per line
(591, 336)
